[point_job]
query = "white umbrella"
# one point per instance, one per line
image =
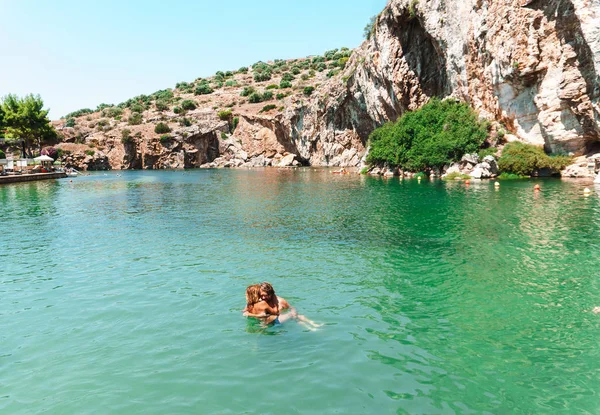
(43, 158)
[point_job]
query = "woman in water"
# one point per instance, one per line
(261, 302)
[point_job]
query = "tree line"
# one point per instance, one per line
(24, 123)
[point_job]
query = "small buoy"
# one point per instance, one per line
(497, 184)
(586, 190)
(537, 187)
(467, 182)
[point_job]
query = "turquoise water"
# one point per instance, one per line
(122, 295)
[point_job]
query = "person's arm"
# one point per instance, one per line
(283, 304)
(263, 307)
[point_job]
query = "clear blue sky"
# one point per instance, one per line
(78, 54)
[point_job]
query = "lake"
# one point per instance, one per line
(121, 293)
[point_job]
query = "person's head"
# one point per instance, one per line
(266, 291)
(253, 294)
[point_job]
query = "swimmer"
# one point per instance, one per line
(261, 302)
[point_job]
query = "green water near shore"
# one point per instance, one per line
(122, 295)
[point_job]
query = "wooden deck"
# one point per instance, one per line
(19, 178)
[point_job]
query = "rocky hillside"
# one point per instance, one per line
(531, 65)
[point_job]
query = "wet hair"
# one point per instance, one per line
(268, 288)
(253, 295)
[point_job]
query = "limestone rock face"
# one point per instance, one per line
(533, 65)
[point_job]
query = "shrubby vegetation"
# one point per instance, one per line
(126, 136)
(439, 133)
(247, 91)
(162, 128)
(161, 105)
(135, 119)
(79, 113)
(526, 159)
(224, 115)
(370, 28)
(203, 89)
(268, 108)
(309, 90)
(112, 112)
(188, 105)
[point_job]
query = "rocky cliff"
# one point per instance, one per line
(531, 65)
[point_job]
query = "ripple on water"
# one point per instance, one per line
(125, 292)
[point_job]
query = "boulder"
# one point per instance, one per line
(287, 161)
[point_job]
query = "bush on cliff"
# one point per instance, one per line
(162, 128)
(439, 133)
(526, 159)
(2, 155)
(203, 89)
(188, 105)
(126, 136)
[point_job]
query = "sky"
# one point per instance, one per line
(79, 54)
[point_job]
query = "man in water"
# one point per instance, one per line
(270, 308)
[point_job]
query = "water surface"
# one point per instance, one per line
(122, 294)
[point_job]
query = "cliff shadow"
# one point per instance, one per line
(423, 58)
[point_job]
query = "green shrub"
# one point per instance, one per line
(280, 96)
(341, 63)
(178, 110)
(164, 138)
(369, 29)
(243, 69)
(287, 77)
(137, 108)
(231, 82)
(525, 159)
(2, 154)
(295, 70)
(273, 86)
(268, 108)
(126, 135)
(161, 105)
(224, 115)
(223, 136)
(184, 86)
(112, 112)
(185, 122)
(439, 133)
(234, 124)
(364, 170)
(267, 96)
(90, 152)
(79, 113)
(262, 76)
(135, 119)
(309, 90)
(188, 105)
(203, 89)
(247, 91)
(304, 77)
(332, 73)
(255, 98)
(483, 153)
(70, 122)
(162, 128)
(321, 67)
